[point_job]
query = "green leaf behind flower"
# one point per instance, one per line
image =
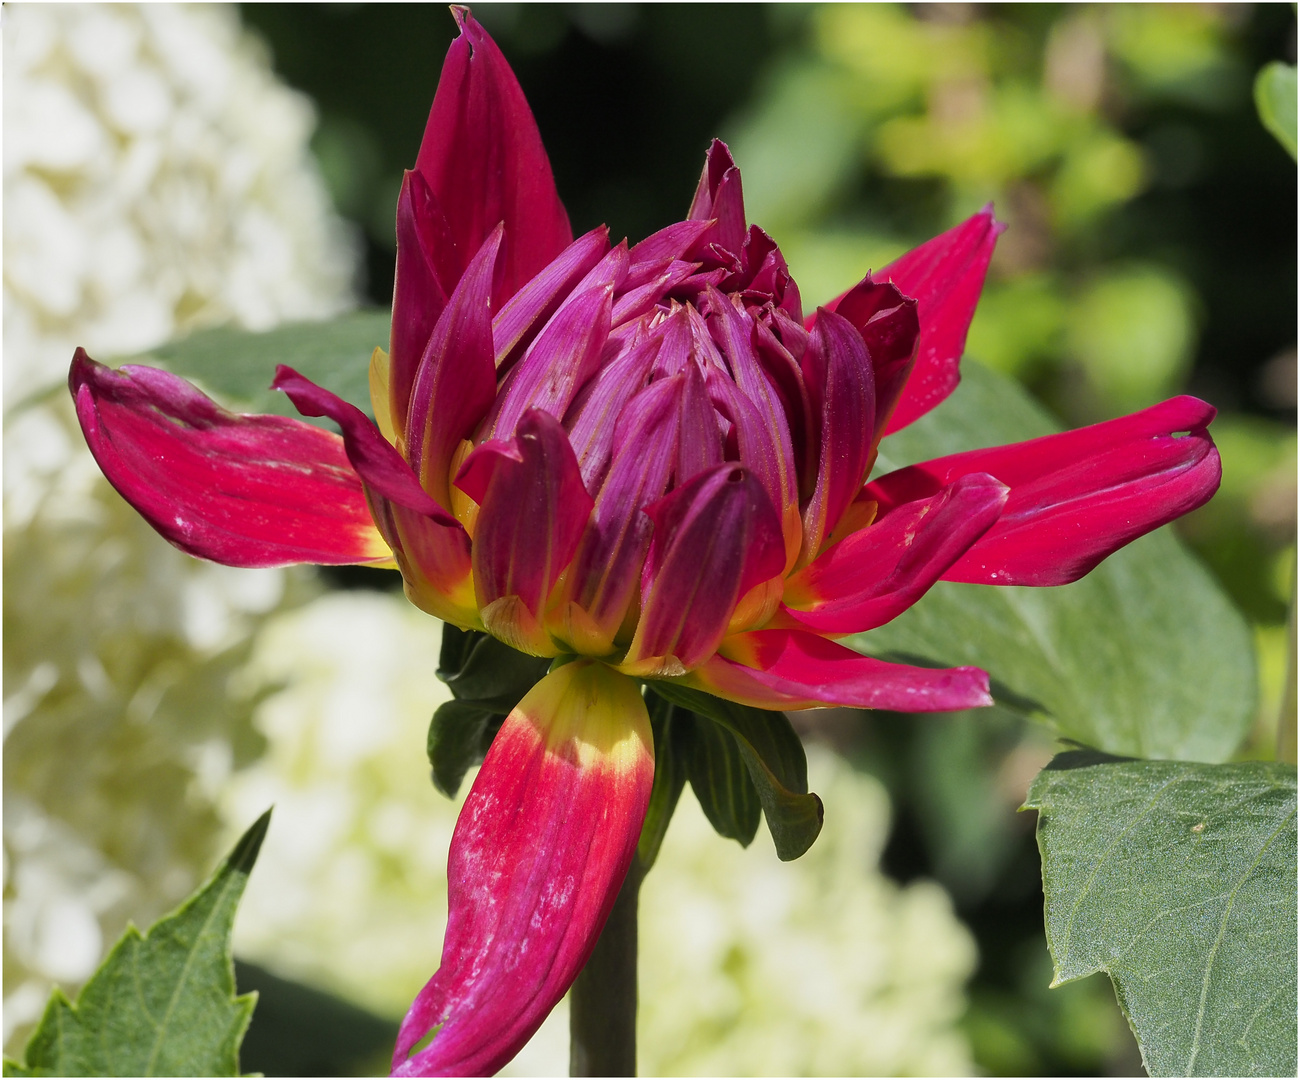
(1179, 880)
(1144, 656)
(162, 1003)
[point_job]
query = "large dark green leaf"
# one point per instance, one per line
(1179, 880)
(670, 727)
(1144, 656)
(236, 366)
(720, 779)
(162, 1003)
(775, 759)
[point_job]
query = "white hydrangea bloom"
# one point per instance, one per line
(157, 178)
(749, 966)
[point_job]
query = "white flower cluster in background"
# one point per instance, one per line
(749, 966)
(157, 178)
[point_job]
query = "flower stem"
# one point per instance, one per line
(602, 1001)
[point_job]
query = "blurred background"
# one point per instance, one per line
(172, 168)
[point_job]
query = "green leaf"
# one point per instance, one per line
(487, 678)
(720, 780)
(1179, 880)
(162, 1003)
(1275, 98)
(1144, 656)
(668, 723)
(775, 759)
(236, 366)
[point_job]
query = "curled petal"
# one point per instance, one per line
(239, 490)
(837, 372)
(794, 669)
(1078, 496)
(533, 508)
(379, 464)
(456, 383)
(540, 851)
(483, 158)
(880, 571)
(888, 323)
(715, 538)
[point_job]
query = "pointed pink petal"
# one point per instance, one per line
(418, 296)
(457, 380)
(533, 508)
(794, 669)
(239, 490)
(1078, 496)
(879, 572)
(699, 438)
(561, 359)
(719, 197)
(605, 571)
(540, 851)
(379, 464)
(592, 420)
(525, 313)
(840, 385)
(714, 539)
(484, 160)
(674, 242)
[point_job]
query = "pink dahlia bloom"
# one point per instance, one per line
(648, 462)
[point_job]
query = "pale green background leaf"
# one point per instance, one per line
(1144, 656)
(162, 1003)
(1179, 880)
(1275, 97)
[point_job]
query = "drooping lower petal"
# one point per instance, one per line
(533, 509)
(539, 853)
(1078, 496)
(239, 490)
(879, 572)
(794, 669)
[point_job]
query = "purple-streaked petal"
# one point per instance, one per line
(239, 490)
(699, 438)
(794, 669)
(879, 572)
(516, 324)
(456, 383)
(719, 197)
(540, 851)
(592, 419)
(641, 299)
(677, 241)
(1078, 496)
(714, 539)
(483, 158)
(533, 509)
(837, 372)
(888, 324)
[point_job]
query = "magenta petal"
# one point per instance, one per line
(377, 461)
(561, 359)
(699, 438)
(593, 418)
(715, 538)
(837, 372)
(719, 197)
(540, 851)
(456, 383)
(879, 572)
(794, 669)
(515, 325)
(1078, 496)
(239, 490)
(483, 158)
(418, 296)
(888, 323)
(533, 508)
(676, 241)
(945, 275)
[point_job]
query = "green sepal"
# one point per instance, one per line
(1179, 880)
(162, 1003)
(775, 759)
(668, 724)
(487, 679)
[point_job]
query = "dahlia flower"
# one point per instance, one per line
(646, 463)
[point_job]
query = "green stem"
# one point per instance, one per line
(602, 1001)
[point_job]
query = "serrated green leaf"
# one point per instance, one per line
(236, 366)
(1275, 98)
(668, 729)
(162, 1003)
(1179, 880)
(775, 759)
(1144, 656)
(720, 779)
